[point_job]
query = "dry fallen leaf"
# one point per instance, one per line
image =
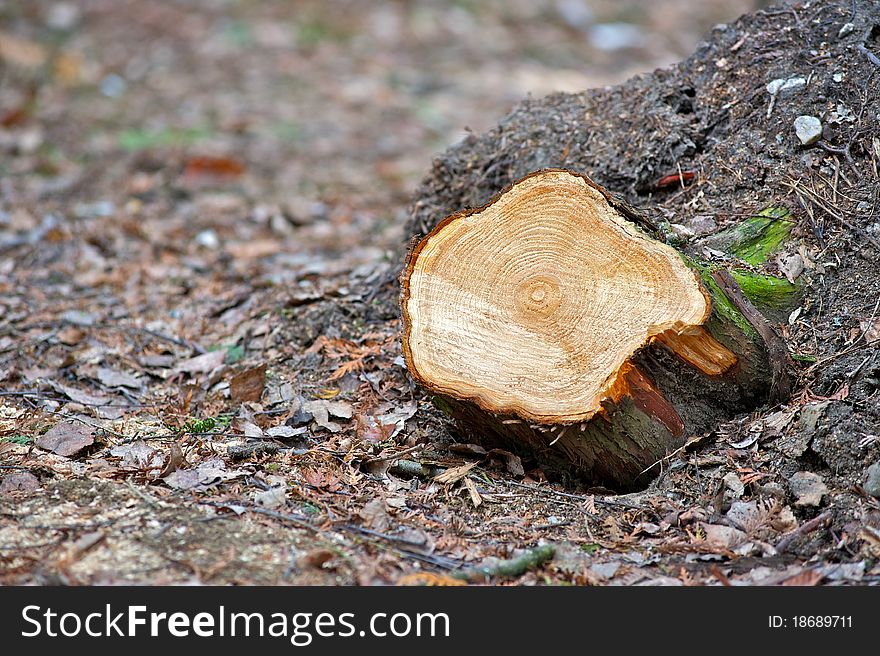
(202, 364)
(321, 478)
(175, 459)
(201, 169)
(137, 454)
(248, 428)
(368, 429)
(19, 482)
(871, 330)
(316, 558)
(512, 462)
(274, 497)
(70, 335)
(79, 396)
(248, 385)
(206, 475)
(66, 438)
(791, 267)
(321, 411)
(374, 515)
(808, 577)
(112, 378)
(473, 450)
(723, 537)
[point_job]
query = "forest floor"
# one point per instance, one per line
(203, 207)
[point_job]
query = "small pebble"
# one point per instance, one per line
(615, 36)
(808, 129)
(702, 225)
(113, 85)
(846, 29)
(807, 488)
(872, 482)
(208, 239)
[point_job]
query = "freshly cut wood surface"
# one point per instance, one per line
(533, 304)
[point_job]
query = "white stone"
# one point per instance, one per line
(808, 129)
(785, 87)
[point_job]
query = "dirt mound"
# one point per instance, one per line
(710, 142)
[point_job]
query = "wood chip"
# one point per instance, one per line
(455, 474)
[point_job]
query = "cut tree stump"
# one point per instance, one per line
(549, 323)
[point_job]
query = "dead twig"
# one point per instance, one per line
(287, 517)
(509, 568)
(845, 151)
(870, 55)
(392, 456)
(600, 501)
(806, 527)
(820, 203)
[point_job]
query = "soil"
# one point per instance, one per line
(203, 216)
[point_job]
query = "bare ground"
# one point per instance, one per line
(203, 210)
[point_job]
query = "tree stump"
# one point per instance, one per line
(549, 323)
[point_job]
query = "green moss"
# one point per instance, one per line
(22, 440)
(140, 139)
(771, 295)
(758, 237)
(721, 305)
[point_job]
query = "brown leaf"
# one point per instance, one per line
(66, 438)
(871, 330)
(19, 482)
(175, 460)
(248, 385)
(70, 335)
(207, 168)
(374, 515)
(202, 364)
(512, 462)
(369, 429)
(316, 558)
(320, 478)
(80, 396)
(808, 577)
(137, 454)
(112, 378)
